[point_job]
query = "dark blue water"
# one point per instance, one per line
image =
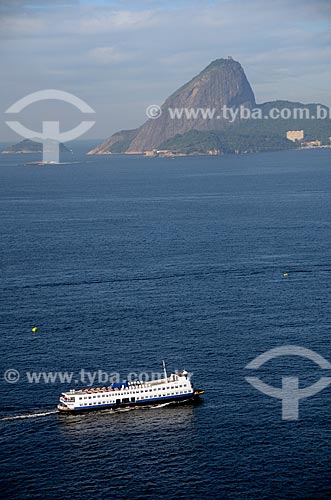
(123, 262)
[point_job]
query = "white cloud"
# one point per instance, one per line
(108, 20)
(20, 25)
(106, 55)
(80, 21)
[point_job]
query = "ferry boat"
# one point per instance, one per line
(176, 387)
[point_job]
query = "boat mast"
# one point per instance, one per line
(165, 370)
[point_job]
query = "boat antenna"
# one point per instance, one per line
(164, 369)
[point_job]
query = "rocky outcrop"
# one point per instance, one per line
(223, 82)
(30, 146)
(117, 143)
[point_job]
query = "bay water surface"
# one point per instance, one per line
(124, 261)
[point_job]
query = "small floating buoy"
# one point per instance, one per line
(34, 329)
(285, 275)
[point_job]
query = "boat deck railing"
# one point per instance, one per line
(124, 386)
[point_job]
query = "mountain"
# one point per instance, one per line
(30, 146)
(250, 136)
(222, 83)
(117, 143)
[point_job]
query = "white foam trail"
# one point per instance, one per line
(161, 405)
(154, 407)
(29, 415)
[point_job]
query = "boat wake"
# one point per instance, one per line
(28, 415)
(122, 410)
(154, 407)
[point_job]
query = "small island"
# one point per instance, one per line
(30, 146)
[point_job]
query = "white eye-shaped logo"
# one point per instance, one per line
(50, 136)
(289, 393)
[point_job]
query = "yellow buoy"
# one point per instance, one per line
(34, 329)
(285, 275)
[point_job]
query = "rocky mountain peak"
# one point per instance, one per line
(222, 82)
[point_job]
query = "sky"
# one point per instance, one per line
(121, 56)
